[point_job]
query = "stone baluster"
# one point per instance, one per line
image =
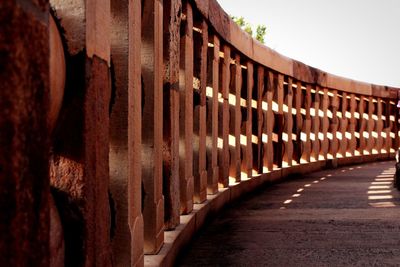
(186, 113)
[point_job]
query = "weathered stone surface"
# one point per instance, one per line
(186, 114)
(79, 168)
(248, 159)
(325, 125)
(278, 119)
(171, 31)
(136, 224)
(370, 125)
(288, 125)
(212, 118)
(344, 121)
(98, 24)
(307, 124)
(224, 117)
(24, 136)
(152, 128)
(125, 135)
(269, 122)
(379, 126)
(258, 162)
(316, 125)
(334, 125)
(219, 19)
(200, 71)
(235, 120)
(352, 125)
(72, 14)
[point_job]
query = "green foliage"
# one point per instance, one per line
(261, 30)
(260, 33)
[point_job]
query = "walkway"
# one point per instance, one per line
(344, 217)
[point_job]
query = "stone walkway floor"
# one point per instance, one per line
(344, 217)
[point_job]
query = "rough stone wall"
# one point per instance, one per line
(24, 88)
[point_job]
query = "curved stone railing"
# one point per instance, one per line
(260, 116)
(169, 111)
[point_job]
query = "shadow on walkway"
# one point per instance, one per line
(344, 217)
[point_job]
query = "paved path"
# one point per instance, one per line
(344, 217)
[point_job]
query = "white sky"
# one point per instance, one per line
(358, 39)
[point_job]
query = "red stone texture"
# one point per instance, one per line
(79, 171)
(24, 184)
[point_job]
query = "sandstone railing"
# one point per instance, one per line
(169, 111)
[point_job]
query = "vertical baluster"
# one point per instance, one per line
(388, 140)
(394, 126)
(224, 153)
(299, 123)
(371, 125)
(334, 125)
(269, 123)
(352, 125)
(249, 121)
(288, 128)
(241, 123)
(203, 114)
(343, 126)
(260, 118)
(199, 142)
(152, 130)
(135, 134)
(125, 133)
(83, 175)
(212, 145)
(171, 29)
(379, 127)
(363, 125)
(307, 126)
(97, 140)
(315, 126)
(278, 123)
(325, 124)
(235, 121)
(186, 113)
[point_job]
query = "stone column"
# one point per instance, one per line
(248, 159)
(125, 134)
(212, 118)
(316, 125)
(186, 113)
(288, 126)
(260, 119)
(306, 130)
(152, 128)
(80, 164)
(200, 127)
(235, 121)
(24, 135)
(363, 125)
(269, 124)
(325, 124)
(171, 27)
(224, 132)
(298, 147)
(334, 125)
(352, 125)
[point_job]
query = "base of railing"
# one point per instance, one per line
(190, 224)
